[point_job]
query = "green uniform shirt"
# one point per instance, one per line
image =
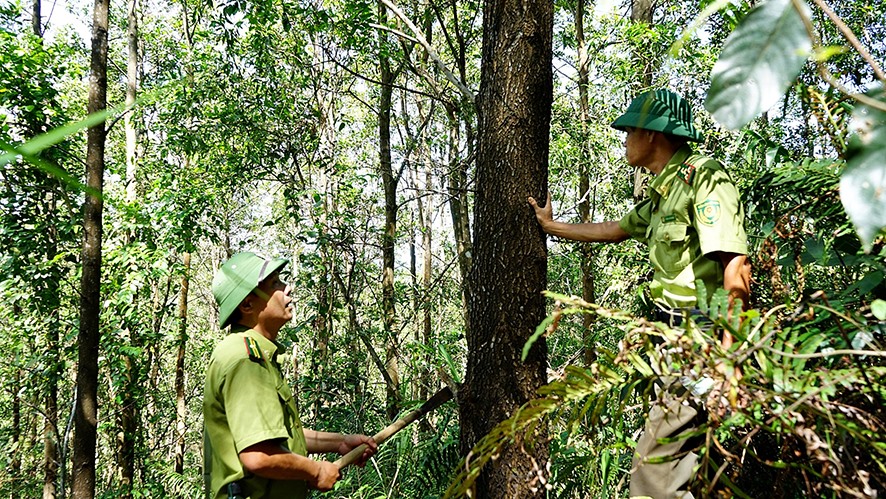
(247, 401)
(692, 210)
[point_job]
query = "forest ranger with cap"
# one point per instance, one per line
(693, 224)
(254, 443)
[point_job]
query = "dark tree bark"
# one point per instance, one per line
(86, 413)
(510, 258)
(36, 18)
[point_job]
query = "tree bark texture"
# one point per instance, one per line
(389, 181)
(510, 258)
(36, 18)
(86, 413)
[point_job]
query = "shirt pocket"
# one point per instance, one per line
(670, 247)
(290, 409)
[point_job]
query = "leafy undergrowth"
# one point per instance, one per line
(795, 407)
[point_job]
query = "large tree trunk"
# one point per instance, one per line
(86, 414)
(510, 259)
(584, 183)
(389, 181)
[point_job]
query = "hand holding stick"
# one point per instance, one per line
(432, 403)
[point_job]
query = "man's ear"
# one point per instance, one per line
(247, 305)
(650, 135)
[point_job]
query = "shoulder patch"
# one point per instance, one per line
(686, 172)
(253, 350)
(708, 211)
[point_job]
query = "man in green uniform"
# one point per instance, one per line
(693, 225)
(254, 444)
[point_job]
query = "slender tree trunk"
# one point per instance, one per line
(132, 80)
(642, 12)
(54, 367)
(50, 427)
(389, 181)
(427, 261)
(427, 304)
(15, 464)
(460, 114)
(128, 411)
(323, 323)
(36, 19)
(584, 184)
(509, 268)
(180, 407)
(458, 206)
(86, 414)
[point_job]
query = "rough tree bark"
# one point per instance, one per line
(510, 258)
(86, 413)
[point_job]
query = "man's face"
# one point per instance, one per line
(275, 293)
(638, 146)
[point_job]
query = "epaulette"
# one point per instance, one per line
(686, 172)
(253, 350)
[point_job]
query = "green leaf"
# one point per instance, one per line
(760, 60)
(540, 330)
(863, 183)
(879, 309)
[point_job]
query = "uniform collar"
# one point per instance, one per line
(269, 348)
(663, 181)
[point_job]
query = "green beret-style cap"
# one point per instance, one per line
(237, 277)
(660, 111)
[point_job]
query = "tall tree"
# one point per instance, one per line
(641, 13)
(586, 196)
(128, 412)
(86, 413)
(181, 348)
(390, 179)
(510, 259)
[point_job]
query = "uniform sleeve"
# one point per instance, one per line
(718, 214)
(636, 222)
(252, 404)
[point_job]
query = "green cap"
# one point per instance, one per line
(237, 278)
(660, 111)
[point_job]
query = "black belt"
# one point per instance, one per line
(235, 491)
(674, 317)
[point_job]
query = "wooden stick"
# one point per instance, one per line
(432, 403)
